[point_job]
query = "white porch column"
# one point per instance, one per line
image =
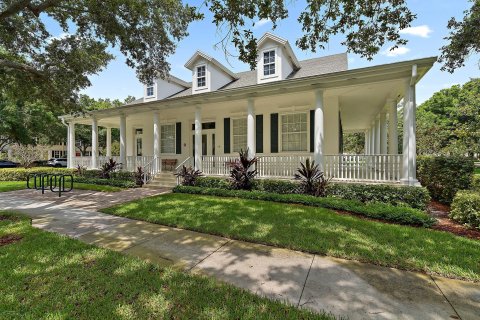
(372, 138)
(123, 141)
(377, 136)
(156, 139)
(383, 133)
(198, 138)
(319, 129)
(251, 127)
(367, 142)
(71, 145)
(392, 127)
(94, 143)
(409, 175)
(109, 142)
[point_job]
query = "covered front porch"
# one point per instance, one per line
(281, 127)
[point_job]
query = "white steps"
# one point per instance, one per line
(164, 179)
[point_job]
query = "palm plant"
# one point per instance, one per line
(188, 175)
(312, 179)
(108, 168)
(243, 172)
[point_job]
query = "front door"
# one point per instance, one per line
(208, 143)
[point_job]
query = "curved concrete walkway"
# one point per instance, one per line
(342, 287)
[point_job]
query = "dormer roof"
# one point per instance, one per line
(201, 55)
(178, 81)
(284, 43)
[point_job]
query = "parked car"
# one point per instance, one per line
(57, 162)
(8, 164)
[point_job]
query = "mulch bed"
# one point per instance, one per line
(9, 238)
(9, 218)
(440, 212)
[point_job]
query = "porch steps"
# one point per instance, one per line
(163, 180)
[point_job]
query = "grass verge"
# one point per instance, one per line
(48, 276)
(20, 185)
(315, 230)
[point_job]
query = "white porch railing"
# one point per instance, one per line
(369, 168)
(375, 168)
(131, 165)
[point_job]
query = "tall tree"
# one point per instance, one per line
(449, 122)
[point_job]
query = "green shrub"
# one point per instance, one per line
(212, 182)
(107, 182)
(276, 186)
(20, 174)
(475, 183)
(415, 197)
(400, 215)
(444, 176)
(466, 208)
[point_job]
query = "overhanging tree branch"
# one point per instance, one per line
(14, 8)
(6, 64)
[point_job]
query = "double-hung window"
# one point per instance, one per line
(239, 134)
(269, 63)
(201, 77)
(167, 138)
(150, 91)
(294, 132)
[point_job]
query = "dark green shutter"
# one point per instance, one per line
(178, 138)
(312, 130)
(259, 133)
(226, 135)
(274, 133)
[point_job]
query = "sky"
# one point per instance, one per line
(425, 38)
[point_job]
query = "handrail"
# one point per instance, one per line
(182, 163)
(149, 170)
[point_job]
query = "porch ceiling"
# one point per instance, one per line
(359, 105)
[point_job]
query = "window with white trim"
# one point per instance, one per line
(201, 77)
(294, 132)
(269, 63)
(167, 138)
(150, 91)
(239, 134)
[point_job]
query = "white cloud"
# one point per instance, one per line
(262, 22)
(422, 31)
(396, 52)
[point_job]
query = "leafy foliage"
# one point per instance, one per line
(243, 173)
(444, 176)
(54, 69)
(188, 175)
(401, 215)
(108, 168)
(463, 40)
(449, 122)
(466, 208)
(139, 176)
(366, 26)
(312, 180)
(354, 143)
(80, 171)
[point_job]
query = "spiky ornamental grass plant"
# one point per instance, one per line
(188, 175)
(243, 171)
(312, 179)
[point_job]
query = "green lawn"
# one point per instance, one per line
(315, 230)
(19, 185)
(47, 276)
(477, 170)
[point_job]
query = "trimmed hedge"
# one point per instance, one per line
(400, 215)
(466, 208)
(106, 182)
(414, 197)
(475, 183)
(20, 174)
(120, 179)
(444, 176)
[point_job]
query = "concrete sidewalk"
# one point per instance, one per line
(342, 287)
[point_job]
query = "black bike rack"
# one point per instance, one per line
(54, 182)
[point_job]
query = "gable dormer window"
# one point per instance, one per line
(269, 63)
(150, 92)
(201, 77)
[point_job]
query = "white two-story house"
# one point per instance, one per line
(284, 112)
